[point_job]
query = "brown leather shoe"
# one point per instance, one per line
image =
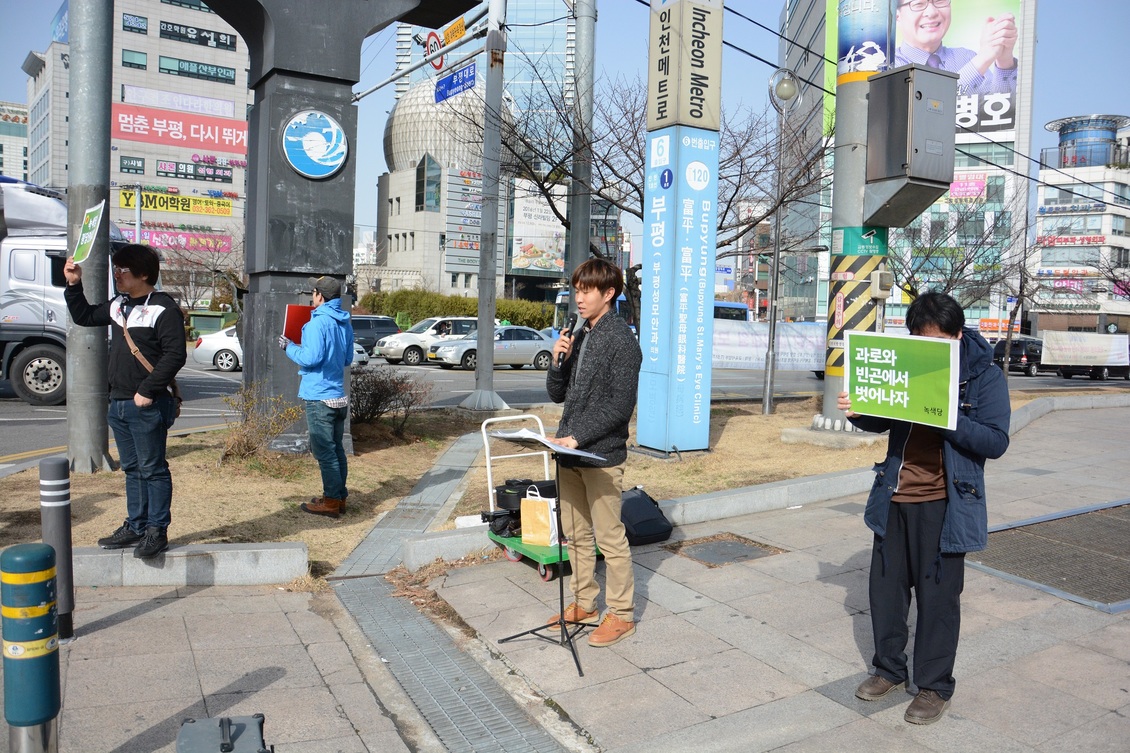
(573, 613)
(875, 687)
(331, 508)
(611, 630)
(318, 500)
(926, 708)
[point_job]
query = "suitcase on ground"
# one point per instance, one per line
(236, 734)
(644, 522)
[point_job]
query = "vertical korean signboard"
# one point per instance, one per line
(680, 221)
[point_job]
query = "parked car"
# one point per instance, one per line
(368, 329)
(513, 346)
(411, 346)
(220, 349)
(1024, 356)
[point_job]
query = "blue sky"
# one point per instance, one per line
(1075, 72)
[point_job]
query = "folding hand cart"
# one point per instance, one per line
(549, 559)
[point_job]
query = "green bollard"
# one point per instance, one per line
(32, 697)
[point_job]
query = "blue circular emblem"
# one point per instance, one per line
(666, 178)
(314, 144)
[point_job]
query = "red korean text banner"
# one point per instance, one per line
(153, 126)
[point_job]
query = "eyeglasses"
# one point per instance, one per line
(121, 270)
(920, 5)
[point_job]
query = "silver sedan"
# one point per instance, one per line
(513, 346)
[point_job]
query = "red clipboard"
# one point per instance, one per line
(296, 317)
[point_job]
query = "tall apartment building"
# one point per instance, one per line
(178, 130)
(971, 233)
(1082, 254)
(429, 203)
(13, 140)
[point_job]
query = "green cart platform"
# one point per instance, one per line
(550, 565)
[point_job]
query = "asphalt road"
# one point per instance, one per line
(28, 433)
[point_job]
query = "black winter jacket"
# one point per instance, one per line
(156, 325)
(599, 397)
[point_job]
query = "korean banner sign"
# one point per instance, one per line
(903, 377)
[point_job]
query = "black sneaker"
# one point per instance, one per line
(153, 543)
(120, 539)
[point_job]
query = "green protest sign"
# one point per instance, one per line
(902, 377)
(90, 222)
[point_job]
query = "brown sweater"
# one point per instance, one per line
(922, 476)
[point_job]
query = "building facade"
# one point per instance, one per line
(430, 201)
(972, 239)
(13, 140)
(178, 134)
(1081, 259)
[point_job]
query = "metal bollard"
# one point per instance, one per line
(32, 697)
(55, 520)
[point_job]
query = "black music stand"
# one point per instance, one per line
(565, 635)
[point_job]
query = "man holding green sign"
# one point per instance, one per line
(927, 507)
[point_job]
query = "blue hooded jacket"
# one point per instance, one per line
(982, 432)
(326, 349)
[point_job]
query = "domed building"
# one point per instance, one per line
(429, 204)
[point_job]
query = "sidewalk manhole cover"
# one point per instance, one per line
(722, 549)
(1083, 556)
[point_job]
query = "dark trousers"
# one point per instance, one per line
(141, 435)
(910, 557)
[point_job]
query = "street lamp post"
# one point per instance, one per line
(784, 94)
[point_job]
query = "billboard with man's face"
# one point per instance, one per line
(976, 39)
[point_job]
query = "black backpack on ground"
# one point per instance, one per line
(644, 522)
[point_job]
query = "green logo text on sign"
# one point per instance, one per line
(903, 377)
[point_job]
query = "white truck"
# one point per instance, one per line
(33, 315)
(1087, 353)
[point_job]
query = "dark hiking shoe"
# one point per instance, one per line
(875, 687)
(926, 708)
(120, 538)
(152, 543)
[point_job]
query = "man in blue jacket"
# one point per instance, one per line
(326, 349)
(927, 509)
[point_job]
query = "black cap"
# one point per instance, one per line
(327, 286)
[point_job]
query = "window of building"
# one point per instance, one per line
(193, 69)
(994, 189)
(136, 24)
(454, 279)
(1071, 224)
(398, 205)
(132, 59)
(132, 165)
(467, 280)
(411, 241)
(984, 155)
(1120, 257)
(194, 4)
(1118, 226)
(195, 35)
(1070, 256)
(429, 176)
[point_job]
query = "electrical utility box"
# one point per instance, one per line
(911, 120)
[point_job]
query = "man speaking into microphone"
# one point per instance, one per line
(595, 373)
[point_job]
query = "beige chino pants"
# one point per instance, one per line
(590, 512)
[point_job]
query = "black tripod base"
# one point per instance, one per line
(564, 636)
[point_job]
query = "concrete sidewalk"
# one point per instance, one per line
(757, 655)
(765, 654)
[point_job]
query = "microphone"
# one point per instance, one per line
(570, 324)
